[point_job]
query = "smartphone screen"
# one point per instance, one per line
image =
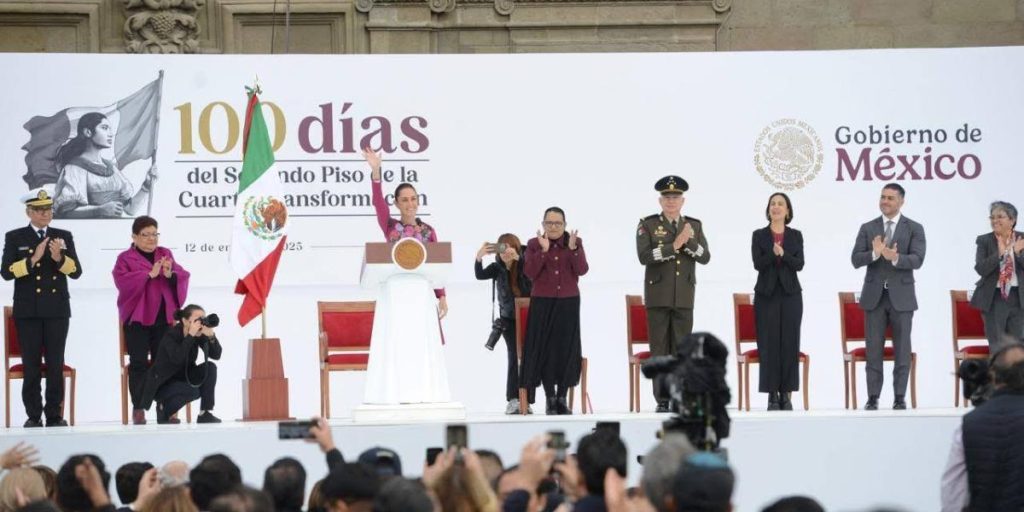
(432, 454)
(558, 444)
(457, 436)
(294, 429)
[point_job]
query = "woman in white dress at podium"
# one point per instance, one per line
(406, 365)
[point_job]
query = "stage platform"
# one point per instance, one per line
(849, 460)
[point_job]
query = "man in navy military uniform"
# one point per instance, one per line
(39, 259)
(669, 245)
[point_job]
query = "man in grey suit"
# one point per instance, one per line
(891, 247)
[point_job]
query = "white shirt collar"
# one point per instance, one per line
(895, 220)
(37, 228)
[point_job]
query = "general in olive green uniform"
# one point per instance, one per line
(670, 271)
(40, 259)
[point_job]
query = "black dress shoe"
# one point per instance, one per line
(550, 408)
(899, 404)
(207, 417)
(785, 403)
(872, 404)
(56, 422)
(561, 407)
(773, 401)
(32, 423)
(662, 407)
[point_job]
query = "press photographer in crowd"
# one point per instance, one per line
(508, 284)
(986, 461)
(175, 379)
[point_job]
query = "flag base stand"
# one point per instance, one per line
(265, 389)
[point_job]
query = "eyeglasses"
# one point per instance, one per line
(553, 224)
(148, 235)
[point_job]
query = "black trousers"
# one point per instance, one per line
(175, 393)
(141, 341)
(512, 374)
(777, 318)
(666, 328)
(39, 336)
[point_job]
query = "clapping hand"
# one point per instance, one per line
(572, 239)
(683, 237)
(157, 266)
(777, 249)
(373, 159)
(40, 249)
(542, 239)
(167, 265)
(55, 245)
(877, 245)
(1018, 244)
(891, 253)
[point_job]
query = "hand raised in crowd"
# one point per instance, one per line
(616, 498)
(891, 253)
(484, 250)
(373, 159)
(572, 239)
(431, 472)
(18, 456)
(112, 209)
(89, 478)
(572, 478)
(534, 463)
(55, 245)
(542, 239)
(40, 250)
(167, 266)
(442, 307)
(877, 245)
(322, 436)
(777, 249)
(149, 486)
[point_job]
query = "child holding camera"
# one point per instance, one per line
(508, 283)
(175, 379)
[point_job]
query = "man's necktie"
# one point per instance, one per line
(42, 233)
(888, 232)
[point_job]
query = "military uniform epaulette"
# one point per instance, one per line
(651, 216)
(692, 219)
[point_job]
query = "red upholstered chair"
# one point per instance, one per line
(636, 335)
(967, 325)
(122, 360)
(522, 315)
(345, 331)
(851, 330)
(746, 332)
(12, 350)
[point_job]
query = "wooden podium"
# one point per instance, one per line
(264, 389)
(406, 377)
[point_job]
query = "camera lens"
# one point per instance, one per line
(211, 320)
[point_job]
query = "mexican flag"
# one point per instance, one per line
(261, 218)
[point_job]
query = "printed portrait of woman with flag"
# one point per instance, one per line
(82, 153)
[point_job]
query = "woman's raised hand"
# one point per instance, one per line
(542, 239)
(482, 252)
(373, 159)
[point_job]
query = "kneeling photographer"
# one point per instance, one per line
(508, 284)
(175, 379)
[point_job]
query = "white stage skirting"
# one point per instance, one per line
(849, 460)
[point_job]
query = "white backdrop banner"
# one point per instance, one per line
(490, 142)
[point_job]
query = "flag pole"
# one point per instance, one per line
(156, 142)
(263, 319)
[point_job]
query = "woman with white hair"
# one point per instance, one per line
(1000, 264)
